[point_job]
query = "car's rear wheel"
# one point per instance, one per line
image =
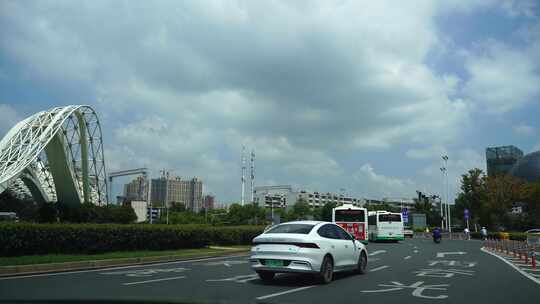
(327, 270)
(266, 275)
(362, 263)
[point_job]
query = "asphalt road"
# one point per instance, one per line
(413, 271)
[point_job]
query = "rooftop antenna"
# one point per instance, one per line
(252, 175)
(243, 174)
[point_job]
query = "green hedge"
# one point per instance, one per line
(31, 239)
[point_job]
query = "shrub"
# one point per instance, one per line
(30, 239)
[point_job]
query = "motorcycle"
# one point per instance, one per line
(437, 239)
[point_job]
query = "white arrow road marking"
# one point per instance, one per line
(377, 252)
(443, 254)
(379, 268)
(152, 281)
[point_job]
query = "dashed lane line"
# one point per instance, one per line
(284, 292)
(379, 268)
(407, 257)
(377, 252)
(152, 281)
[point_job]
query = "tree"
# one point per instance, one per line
(433, 217)
(47, 213)
(473, 197)
(26, 209)
(501, 192)
(325, 212)
(531, 197)
(301, 210)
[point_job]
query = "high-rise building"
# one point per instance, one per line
(500, 160)
(208, 202)
(176, 190)
(134, 190)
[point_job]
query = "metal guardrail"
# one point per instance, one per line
(527, 251)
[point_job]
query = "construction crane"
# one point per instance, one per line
(143, 171)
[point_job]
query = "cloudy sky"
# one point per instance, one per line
(360, 95)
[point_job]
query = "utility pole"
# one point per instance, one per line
(243, 174)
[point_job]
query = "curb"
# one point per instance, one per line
(98, 264)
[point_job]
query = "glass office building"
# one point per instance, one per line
(528, 167)
(501, 160)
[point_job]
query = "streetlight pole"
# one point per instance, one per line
(443, 198)
(448, 220)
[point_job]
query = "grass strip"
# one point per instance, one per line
(60, 258)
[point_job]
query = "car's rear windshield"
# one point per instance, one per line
(350, 216)
(389, 218)
(291, 228)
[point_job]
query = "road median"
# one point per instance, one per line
(10, 270)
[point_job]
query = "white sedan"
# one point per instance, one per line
(321, 248)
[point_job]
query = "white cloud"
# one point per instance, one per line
(426, 153)
(183, 85)
(502, 78)
(524, 129)
(378, 185)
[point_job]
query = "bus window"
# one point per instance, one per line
(389, 217)
(350, 216)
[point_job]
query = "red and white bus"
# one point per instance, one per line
(353, 219)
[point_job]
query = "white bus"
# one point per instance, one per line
(384, 225)
(353, 219)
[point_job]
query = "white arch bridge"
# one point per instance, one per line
(56, 155)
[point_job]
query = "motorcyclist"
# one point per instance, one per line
(436, 234)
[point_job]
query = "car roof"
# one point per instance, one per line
(305, 222)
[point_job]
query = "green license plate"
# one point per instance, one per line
(274, 263)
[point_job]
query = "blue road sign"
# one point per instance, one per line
(405, 215)
(466, 214)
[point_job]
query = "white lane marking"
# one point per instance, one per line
(227, 263)
(443, 254)
(373, 259)
(152, 281)
(379, 268)
(238, 279)
(114, 268)
(377, 252)
(407, 257)
(415, 251)
(145, 272)
(537, 281)
(284, 292)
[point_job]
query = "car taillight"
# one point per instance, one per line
(302, 245)
(307, 245)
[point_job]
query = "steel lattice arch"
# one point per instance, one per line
(56, 156)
